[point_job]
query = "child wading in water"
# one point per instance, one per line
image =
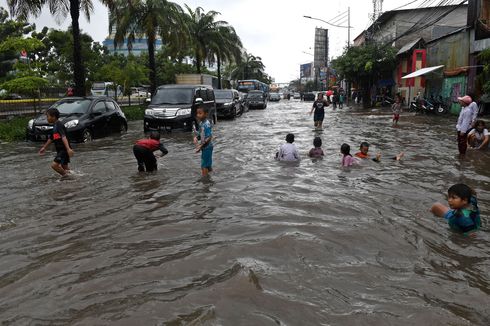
(203, 141)
(288, 151)
(319, 107)
(61, 143)
(347, 159)
(317, 151)
(143, 151)
(396, 108)
(462, 214)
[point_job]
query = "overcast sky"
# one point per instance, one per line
(274, 30)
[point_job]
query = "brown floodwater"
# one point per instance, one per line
(260, 243)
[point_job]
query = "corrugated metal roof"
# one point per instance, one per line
(407, 47)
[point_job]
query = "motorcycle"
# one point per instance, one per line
(440, 106)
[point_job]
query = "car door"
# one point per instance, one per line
(113, 118)
(99, 121)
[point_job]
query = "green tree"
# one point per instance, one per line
(61, 9)
(365, 65)
(25, 85)
(484, 76)
(226, 47)
(55, 60)
(11, 29)
(210, 39)
(251, 67)
(151, 18)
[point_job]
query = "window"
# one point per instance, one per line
(210, 95)
(419, 56)
(99, 107)
(110, 106)
(202, 94)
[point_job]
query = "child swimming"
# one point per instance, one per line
(364, 154)
(462, 214)
(347, 159)
(317, 151)
(288, 151)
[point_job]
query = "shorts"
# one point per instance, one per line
(396, 117)
(62, 157)
(207, 157)
(319, 116)
(146, 159)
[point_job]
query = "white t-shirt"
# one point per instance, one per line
(479, 136)
(288, 152)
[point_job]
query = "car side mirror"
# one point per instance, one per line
(198, 100)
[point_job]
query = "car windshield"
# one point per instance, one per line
(98, 86)
(255, 96)
(173, 96)
(223, 95)
(72, 107)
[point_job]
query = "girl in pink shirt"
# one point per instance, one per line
(347, 159)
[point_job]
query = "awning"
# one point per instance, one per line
(422, 72)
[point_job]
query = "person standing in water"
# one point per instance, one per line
(464, 124)
(319, 107)
(396, 108)
(204, 141)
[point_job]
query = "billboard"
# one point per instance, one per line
(321, 48)
(305, 70)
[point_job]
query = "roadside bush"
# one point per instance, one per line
(134, 112)
(14, 129)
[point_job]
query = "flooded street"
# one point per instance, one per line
(262, 243)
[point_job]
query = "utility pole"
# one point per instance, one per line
(348, 27)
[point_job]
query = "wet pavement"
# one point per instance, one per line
(261, 243)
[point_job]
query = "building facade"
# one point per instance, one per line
(139, 45)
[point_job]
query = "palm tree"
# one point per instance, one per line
(210, 39)
(151, 18)
(225, 47)
(60, 9)
(251, 67)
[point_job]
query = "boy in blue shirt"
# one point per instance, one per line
(203, 141)
(462, 214)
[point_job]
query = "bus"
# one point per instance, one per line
(106, 89)
(244, 86)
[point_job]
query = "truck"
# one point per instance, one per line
(196, 79)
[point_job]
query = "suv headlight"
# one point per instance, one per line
(30, 124)
(149, 112)
(228, 104)
(71, 124)
(184, 112)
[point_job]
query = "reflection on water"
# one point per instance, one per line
(260, 243)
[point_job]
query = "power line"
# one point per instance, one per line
(414, 30)
(341, 17)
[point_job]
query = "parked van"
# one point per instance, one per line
(174, 106)
(106, 89)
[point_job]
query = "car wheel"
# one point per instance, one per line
(87, 136)
(123, 128)
(215, 118)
